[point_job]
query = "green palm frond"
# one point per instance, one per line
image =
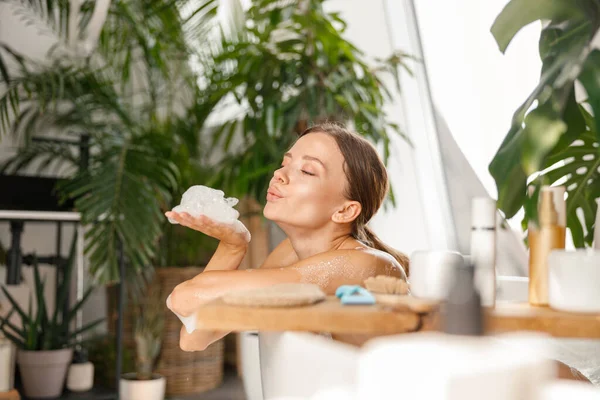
(136, 98)
(53, 13)
(120, 197)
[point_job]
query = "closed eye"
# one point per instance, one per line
(308, 173)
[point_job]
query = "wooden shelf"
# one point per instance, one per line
(331, 316)
(519, 316)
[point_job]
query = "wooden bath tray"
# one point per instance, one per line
(331, 316)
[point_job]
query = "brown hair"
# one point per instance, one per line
(367, 183)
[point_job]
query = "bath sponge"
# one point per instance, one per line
(280, 295)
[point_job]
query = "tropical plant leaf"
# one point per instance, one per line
(519, 13)
(291, 68)
(555, 120)
(577, 167)
(590, 78)
(16, 306)
(84, 329)
(15, 330)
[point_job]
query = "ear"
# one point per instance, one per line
(347, 213)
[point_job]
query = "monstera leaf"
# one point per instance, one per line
(577, 167)
(549, 120)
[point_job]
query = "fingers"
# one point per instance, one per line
(240, 227)
(195, 341)
(183, 218)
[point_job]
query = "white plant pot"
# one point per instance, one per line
(130, 388)
(80, 377)
(7, 365)
(574, 280)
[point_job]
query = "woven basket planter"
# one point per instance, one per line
(186, 372)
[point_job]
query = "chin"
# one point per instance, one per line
(269, 212)
(276, 214)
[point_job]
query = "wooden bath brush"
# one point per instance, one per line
(386, 285)
(393, 292)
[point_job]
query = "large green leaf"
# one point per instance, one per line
(590, 78)
(549, 120)
(519, 13)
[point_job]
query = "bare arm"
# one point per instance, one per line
(230, 252)
(328, 270)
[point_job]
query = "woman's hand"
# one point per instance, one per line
(234, 234)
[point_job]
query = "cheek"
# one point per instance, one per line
(307, 205)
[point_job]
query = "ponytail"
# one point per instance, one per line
(368, 237)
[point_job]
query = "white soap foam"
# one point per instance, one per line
(202, 200)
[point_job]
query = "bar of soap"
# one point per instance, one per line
(280, 295)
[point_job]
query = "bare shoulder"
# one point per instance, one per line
(384, 263)
(334, 268)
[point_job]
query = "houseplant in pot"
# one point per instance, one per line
(555, 136)
(144, 383)
(45, 340)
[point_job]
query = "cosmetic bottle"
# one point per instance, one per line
(483, 248)
(549, 236)
(462, 313)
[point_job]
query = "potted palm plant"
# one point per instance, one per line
(44, 339)
(144, 383)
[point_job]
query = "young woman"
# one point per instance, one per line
(330, 184)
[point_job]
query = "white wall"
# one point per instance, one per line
(475, 87)
(402, 227)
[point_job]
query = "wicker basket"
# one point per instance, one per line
(186, 372)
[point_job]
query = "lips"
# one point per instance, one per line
(273, 194)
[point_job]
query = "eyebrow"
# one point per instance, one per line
(310, 158)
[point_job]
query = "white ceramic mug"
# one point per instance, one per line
(432, 271)
(574, 280)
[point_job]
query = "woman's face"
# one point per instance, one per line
(309, 187)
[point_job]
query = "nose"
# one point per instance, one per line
(280, 176)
